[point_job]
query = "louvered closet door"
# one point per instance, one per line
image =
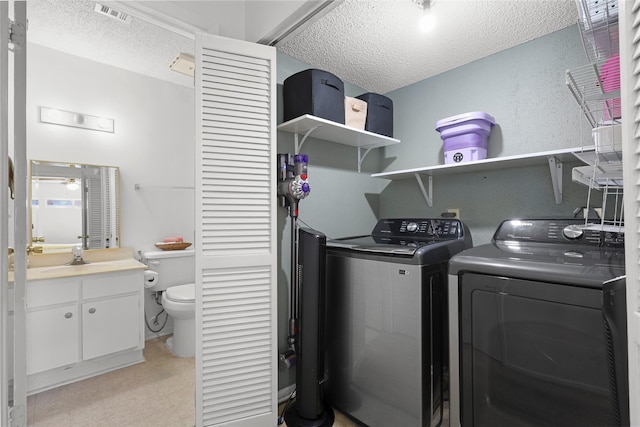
(236, 338)
(630, 93)
(95, 216)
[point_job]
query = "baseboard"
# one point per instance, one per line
(150, 335)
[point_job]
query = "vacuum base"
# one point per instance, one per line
(292, 418)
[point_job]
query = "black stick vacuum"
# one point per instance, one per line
(306, 311)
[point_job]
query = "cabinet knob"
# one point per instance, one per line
(68, 315)
(92, 310)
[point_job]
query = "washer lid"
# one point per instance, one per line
(181, 293)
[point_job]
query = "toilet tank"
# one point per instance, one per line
(173, 267)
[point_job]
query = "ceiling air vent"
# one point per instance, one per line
(112, 13)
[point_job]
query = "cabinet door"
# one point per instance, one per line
(110, 325)
(52, 338)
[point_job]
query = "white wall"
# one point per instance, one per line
(153, 142)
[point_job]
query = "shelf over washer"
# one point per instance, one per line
(553, 158)
(335, 132)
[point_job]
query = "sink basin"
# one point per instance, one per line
(84, 268)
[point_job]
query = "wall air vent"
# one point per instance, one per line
(112, 13)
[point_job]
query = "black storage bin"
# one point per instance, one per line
(314, 92)
(379, 114)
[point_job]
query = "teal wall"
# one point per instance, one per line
(522, 87)
(342, 201)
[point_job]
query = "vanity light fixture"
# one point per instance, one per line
(78, 120)
(427, 21)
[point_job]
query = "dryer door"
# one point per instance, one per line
(532, 354)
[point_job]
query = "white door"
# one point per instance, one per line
(13, 117)
(6, 337)
(630, 91)
(236, 283)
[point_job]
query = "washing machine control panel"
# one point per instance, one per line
(567, 231)
(420, 228)
(573, 231)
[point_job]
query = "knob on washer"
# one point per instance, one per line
(412, 227)
(572, 231)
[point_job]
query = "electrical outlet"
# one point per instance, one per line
(455, 211)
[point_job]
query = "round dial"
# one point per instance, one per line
(412, 227)
(572, 232)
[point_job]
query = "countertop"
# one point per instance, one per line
(52, 266)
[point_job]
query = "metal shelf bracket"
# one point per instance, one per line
(555, 167)
(362, 156)
(299, 145)
(428, 195)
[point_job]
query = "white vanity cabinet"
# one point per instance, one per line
(52, 324)
(82, 326)
(111, 311)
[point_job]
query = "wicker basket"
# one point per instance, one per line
(172, 246)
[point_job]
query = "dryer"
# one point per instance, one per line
(538, 327)
(386, 320)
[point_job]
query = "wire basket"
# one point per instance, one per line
(596, 88)
(599, 28)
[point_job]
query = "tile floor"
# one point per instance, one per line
(156, 393)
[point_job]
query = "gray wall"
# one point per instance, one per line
(342, 201)
(524, 89)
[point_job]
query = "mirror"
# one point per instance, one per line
(74, 204)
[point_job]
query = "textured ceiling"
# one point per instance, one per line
(73, 27)
(376, 44)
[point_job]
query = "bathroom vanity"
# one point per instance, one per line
(83, 320)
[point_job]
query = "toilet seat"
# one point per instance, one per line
(181, 293)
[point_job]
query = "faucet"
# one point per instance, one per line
(34, 249)
(77, 256)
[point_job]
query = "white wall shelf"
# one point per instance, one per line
(335, 132)
(553, 158)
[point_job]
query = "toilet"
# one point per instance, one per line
(173, 274)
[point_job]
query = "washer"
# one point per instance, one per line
(538, 327)
(386, 320)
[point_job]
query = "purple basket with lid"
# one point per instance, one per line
(465, 136)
